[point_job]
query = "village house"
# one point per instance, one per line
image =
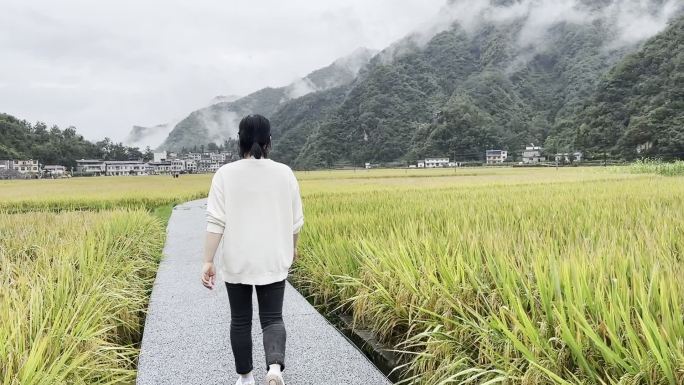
(159, 168)
(496, 156)
(124, 167)
(190, 166)
(533, 155)
(25, 166)
(178, 166)
(90, 167)
(567, 157)
(54, 170)
(436, 162)
(159, 157)
(163, 164)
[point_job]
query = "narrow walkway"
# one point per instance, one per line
(186, 339)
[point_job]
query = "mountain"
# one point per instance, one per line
(224, 99)
(639, 102)
(219, 121)
(503, 78)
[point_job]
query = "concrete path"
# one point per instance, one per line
(186, 337)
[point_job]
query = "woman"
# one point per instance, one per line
(255, 207)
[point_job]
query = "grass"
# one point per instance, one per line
(73, 290)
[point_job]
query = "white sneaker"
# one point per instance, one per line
(274, 379)
(240, 382)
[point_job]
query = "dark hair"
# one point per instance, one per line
(254, 136)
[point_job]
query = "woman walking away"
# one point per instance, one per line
(255, 206)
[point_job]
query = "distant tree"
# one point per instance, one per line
(148, 155)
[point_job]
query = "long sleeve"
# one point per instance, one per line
(297, 212)
(216, 211)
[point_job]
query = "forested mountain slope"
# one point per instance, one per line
(468, 89)
(219, 122)
(639, 102)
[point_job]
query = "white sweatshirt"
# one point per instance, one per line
(256, 205)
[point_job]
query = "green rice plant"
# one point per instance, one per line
(73, 290)
(655, 166)
(547, 282)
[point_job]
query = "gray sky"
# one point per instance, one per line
(105, 65)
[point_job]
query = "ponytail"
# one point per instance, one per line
(256, 150)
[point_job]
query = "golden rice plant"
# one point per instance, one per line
(73, 289)
(537, 283)
(100, 193)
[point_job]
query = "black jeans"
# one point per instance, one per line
(270, 299)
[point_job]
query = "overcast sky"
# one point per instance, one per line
(104, 65)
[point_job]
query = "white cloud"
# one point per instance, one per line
(104, 66)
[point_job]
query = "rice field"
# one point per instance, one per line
(476, 276)
(570, 278)
(73, 290)
(99, 193)
(654, 166)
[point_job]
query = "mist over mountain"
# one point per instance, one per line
(224, 99)
(486, 74)
(638, 104)
(219, 121)
(483, 74)
(142, 136)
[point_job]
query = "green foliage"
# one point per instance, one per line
(460, 94)
(21, 139)
(640, 101)
(301, 117)
(655, 166)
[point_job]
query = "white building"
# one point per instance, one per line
(26, 166)
(421, 164)
(532, 155)
(159, 157)
(436, 162)
(643, 147)
(567, 157)
(159, 168)
(5, 165)
(218, 157)
(178, 166)
(496, 156)
(125, 167)
(90, 167)
(190, 166)
(54, 170)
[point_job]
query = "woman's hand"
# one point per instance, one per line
(208, 275)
